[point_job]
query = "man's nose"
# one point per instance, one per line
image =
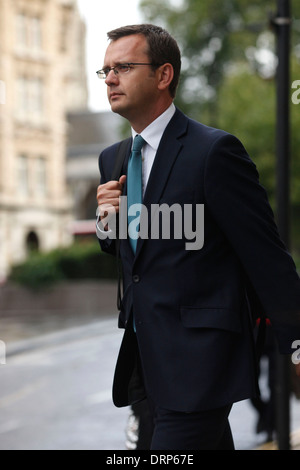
(111, 77)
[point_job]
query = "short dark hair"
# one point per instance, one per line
(162, 47)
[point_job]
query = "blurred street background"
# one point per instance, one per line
(58, 321)
(56, 387)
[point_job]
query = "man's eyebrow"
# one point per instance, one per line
(115, 64)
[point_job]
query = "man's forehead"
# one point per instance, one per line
(124, 48)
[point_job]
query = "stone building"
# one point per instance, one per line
(42, 77)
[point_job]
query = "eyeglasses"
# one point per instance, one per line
(120, 69)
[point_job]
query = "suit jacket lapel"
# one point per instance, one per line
(125, 167)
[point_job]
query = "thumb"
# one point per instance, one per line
(122, 179)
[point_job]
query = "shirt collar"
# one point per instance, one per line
(153, 133)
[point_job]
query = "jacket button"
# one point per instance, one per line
(136, 278)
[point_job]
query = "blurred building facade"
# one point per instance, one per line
(88, 134)
(42, 70)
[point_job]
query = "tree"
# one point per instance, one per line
(214, 36)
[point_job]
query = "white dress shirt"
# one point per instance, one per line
(152, 135)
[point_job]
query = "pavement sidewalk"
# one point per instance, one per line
(295, 443)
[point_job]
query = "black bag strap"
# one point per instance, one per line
(116, 174)
(120, 158)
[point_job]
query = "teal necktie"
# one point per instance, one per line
(134, 190)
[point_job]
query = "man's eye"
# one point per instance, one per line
(123, 68)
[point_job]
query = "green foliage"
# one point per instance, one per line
(79, 261)
(37, 272)
(213, 35)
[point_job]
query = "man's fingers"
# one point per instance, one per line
(110, 200)
(108, 196)
(110, 186)
(107, 209)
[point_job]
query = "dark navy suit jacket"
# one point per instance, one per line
(191, 308)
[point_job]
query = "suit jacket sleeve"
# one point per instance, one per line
(240, 206)
(107, 245)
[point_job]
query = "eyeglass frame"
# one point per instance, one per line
(116, 72)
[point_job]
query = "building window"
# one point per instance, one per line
(28, 34)
(35, 96)
(65, 29)
(41, 177)
(35, 35)
(23, 175)
(30, 99)
(32, 243)
(21, 30)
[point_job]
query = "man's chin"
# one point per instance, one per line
(118, 108)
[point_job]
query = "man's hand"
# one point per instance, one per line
(108, 197)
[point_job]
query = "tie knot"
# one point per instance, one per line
(138, 143)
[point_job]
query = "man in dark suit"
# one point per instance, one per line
(188, 343)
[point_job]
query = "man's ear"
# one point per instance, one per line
(166, 74)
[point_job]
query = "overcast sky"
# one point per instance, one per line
(102, 16)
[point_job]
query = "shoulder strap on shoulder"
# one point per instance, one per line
(117, 171)
(121, 154)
